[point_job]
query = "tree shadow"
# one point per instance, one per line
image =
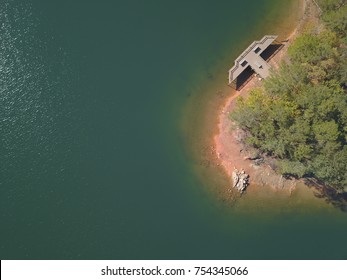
(337, 198)
(331, 195)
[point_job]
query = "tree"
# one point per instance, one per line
(335, 15)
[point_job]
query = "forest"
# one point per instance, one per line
(299, 115)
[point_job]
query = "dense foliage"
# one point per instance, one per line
(299, 116)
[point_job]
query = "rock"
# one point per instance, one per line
(240, 180)
(235, 177)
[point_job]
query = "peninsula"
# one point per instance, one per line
(293, 125)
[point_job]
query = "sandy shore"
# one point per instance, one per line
(230, 151)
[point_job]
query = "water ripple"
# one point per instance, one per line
(36, 99)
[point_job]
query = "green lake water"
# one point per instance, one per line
(94, 163)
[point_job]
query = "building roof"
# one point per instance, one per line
(251, 57)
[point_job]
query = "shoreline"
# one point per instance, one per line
(200, 125)
(229, 151)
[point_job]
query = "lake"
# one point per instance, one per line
(100, 104)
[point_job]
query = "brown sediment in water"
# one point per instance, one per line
(207, 127)
(228, 142)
